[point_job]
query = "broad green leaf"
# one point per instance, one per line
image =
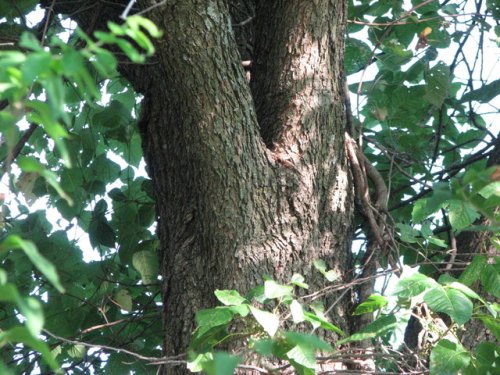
(303, 355)
(36, 64)
(307, 340)
(32, 165)
(374, 302)
(117, 195)
(146, 262)
(492, 189)
(474, 270)
(274, 290)
(437, 241)
(448, 358)
(213, 317)
(263, 347)
(483, 94)
(101, 208)
(22, 335)
(320, 265)
(465, 290)
(357, 55)
(101, 233)
(487, 358)
(29, 307)
(230, 297)
(461, 214)
(4, 370)
(413, 285)
(29, 41)
(318, 321)
(450, 301)
(196, 364)
(124, 300)
(493, 324)
(438, 84)
(377, 328)
(77, 351)
(269, 321)
(299, 280)
(407, 233)
(222, 364)
(40, 262)
(297, 312)
(136, 22)
(490, 278)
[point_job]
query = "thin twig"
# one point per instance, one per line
(105, 347)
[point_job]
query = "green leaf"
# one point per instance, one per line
(101, 233)
(322, 322)
(196, 364)
(490, 278)
(264, 347)
(35, 65)
(448, 358)
(357, 55)
(461, 214)
(146, 262)
(124, 300)
(213, 317)
(450, 301)
(407, 233)
(484, 94)
(487, 358)
(492, 189)
(229, 297)
(474, 270)
(77, 351)
(372, 303)
(320, 265)
(303, 355)
(307, 340)
(40, 262)
(297, 312)
(438, 84)
(100, 209)
(412, 286)
(117, 195)
(298, 280)
(274, 290)
(22, 335)
(223, 364)
(30, 308)
(491, 323)
(465, 290)
(135, 22)
(31, 165)
(269, 321)
(29, 41)
(379, 327)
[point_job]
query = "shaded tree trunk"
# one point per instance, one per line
(251, 179)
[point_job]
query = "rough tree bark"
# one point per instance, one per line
(251, 179)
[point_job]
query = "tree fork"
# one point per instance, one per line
(238, 198)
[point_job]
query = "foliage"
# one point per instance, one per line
(70, 153)
(58, 91)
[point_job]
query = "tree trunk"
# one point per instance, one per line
(250, 179)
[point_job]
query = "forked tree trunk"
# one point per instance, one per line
(251, 179)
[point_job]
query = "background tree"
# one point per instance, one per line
(243, 118)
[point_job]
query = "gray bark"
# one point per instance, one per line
(248, 181)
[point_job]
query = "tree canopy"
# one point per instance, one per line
(80, 285)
